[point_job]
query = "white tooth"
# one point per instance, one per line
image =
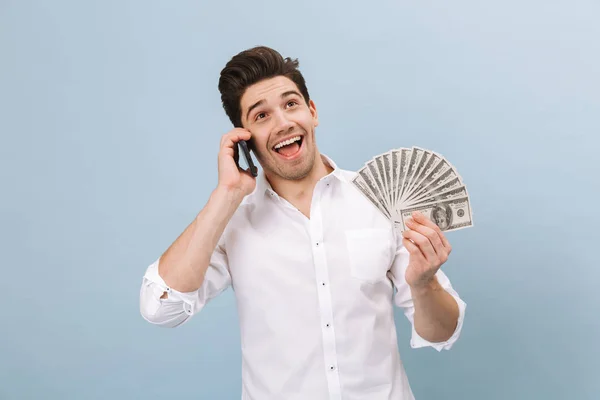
(285, 143)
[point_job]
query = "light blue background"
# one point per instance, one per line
(110, 120)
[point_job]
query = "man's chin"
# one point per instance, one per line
(292, 172)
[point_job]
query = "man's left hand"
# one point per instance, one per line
(428, 249)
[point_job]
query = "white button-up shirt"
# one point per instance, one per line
(314, 296)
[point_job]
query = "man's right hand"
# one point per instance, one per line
(231, 176)
(184, 264)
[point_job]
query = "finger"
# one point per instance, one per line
(226, 150)
(232, 137)
(423, 243)
(419, 217)
(430, 234)
(414, 251)
(229, 146)
(240, 134)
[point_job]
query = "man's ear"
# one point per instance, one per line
(313, 110)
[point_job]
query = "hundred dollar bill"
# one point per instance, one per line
(379, 180)
(407, 154)
(424, 164)
(460, 191)
(441, 167)
(384, 175)
(395, 157)
(373, 185)
(448, 174)
(428, 170)
(413, 167)
(409, 170)
(362, 186)
(389, 173)
(448, 215)
(447, 184)
(401, 156)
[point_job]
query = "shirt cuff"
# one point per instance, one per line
(159, 287)
(417, 341)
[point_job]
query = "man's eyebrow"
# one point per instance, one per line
(253, 106)
(288, 93)
(261, 102)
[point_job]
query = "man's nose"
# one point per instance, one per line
(283, 124)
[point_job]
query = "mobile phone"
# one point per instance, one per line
(246, 151)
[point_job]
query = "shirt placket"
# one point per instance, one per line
(324, 292)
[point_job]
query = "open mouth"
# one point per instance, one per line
(290, 147)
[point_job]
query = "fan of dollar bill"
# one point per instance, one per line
(405, 180)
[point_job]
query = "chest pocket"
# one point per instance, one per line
(370, 253)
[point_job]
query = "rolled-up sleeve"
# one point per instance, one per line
(178, 307)
(403, 299)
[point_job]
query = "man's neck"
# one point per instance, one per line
(300, 191)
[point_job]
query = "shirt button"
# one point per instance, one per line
(331, 368)
(327, 325)
(322, 283)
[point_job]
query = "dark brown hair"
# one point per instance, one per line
(252, 66)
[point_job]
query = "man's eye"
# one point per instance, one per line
(260, 116)
(293, 102)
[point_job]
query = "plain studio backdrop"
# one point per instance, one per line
(111, 120)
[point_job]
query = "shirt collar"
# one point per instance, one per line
(263, 185)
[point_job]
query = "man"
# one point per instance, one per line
(315, 268)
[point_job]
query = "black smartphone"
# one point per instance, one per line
(246, 152)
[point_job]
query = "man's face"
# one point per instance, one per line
(275, 111)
